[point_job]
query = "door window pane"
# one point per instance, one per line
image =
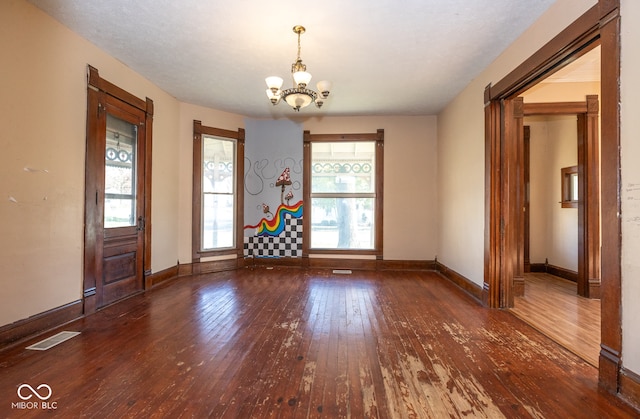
(120, 173)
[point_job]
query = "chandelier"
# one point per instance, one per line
(298, 96)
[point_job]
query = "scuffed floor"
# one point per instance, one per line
(287, 343)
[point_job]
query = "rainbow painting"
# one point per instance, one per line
(275, 226)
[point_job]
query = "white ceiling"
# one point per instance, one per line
(384, 57)
(583, 70)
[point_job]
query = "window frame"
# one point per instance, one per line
(566, 175)
(378, 137)
(196, 234)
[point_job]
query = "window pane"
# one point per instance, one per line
(574, 187)
(217, 221)
(343, 167)
(218, 156)
(342, 223)
(120, 173)
(118, 212)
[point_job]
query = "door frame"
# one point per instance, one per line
(97, 87)
(601, 23)
(588, 280)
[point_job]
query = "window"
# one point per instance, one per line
(218, 156)
(569, 187)
(120, 173)
(343, 193)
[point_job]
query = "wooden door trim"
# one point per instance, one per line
(519, 216)
(555, 108)
(589, 281)
(570, 44)
(600, 24)
(526, 138)
(97, 90)
(610, 183)
(111, 89)
(588, 278)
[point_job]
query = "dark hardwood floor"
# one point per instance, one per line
(293, 343)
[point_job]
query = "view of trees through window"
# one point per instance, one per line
(343, 195)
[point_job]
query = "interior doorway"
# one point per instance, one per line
(561, 281)
(600, 25)
(565, 188)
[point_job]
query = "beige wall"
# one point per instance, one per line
(410, 194)
(461, 124)
(553, 229)
(43, 110)
(461, 147)
(630, 152)
(43, 114)
(43, 105)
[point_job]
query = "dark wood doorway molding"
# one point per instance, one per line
(598, 25)
(100, 92)
(588, 280)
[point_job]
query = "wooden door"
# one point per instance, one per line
(116, 189)
(123, 220)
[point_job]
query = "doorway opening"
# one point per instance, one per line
(599, 25)
(560, 283)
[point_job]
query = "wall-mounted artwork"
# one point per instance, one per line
(273, 189)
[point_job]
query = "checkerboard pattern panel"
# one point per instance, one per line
(287, 244)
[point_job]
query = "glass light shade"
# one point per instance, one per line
(298, 100)
(274, 83)
(324, 87)
(301, 78)
(274, 98)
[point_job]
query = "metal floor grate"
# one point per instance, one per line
(52, 341)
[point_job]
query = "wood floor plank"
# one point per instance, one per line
(289, 342)
(551, 305)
